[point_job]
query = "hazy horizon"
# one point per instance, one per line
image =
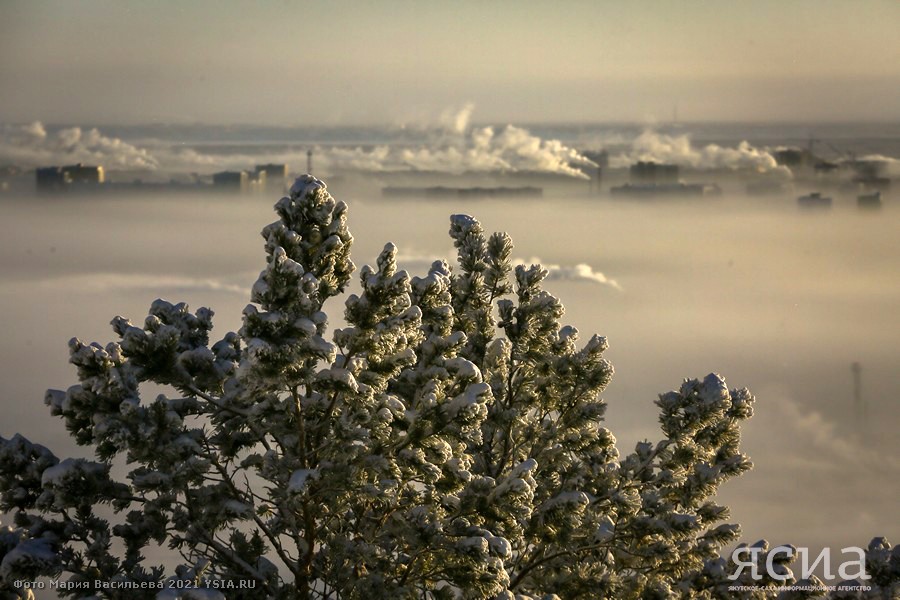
(475, 123)
(742, 280)
(352, 63)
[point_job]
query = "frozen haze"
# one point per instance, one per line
(294, 63)
(773, 299)
(776, 300)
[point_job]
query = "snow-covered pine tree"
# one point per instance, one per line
(429, 450)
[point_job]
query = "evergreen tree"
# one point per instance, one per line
(447, 443)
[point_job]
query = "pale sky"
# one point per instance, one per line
(132, 61)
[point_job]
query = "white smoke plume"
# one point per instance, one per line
(451, 145)
(887, 166)
(31, 145)
(815, 442)
(579, 272)
(678, 150)
(457, 121)
(418, 264)
(484, 149)
(454, 146)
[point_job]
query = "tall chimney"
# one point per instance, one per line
(859, 406)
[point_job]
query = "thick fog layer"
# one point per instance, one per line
(775, 299)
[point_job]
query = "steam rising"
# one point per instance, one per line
(31, 145)
(448, 144)
(457, 121)
(579, 272)
(678, 150)
(512, 149)
(452, 146)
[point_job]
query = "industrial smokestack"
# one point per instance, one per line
(858, 406)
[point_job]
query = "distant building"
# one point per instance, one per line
(50, 179)
(794, 157)
(869, 169)
(274, 177)
(236, 181)
(824, 166)
(594, 174)
(653, 173)
(455, 192)
(81, 174)
(814, 200)
(56, 179)
(768, 188)
(788, 157)
(256, 182)
(654, 190)
(869, 201)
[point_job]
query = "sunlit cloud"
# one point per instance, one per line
(579, 272)
(31, 145)
(451, 145)
(679, 150)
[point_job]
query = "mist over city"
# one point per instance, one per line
(712, 187)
